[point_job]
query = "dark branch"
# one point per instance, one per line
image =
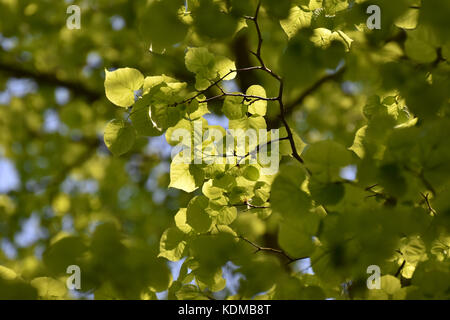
(314, 87)
(271, 250)
(257, 54)
(77, 88)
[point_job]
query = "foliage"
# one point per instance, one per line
(344, 98)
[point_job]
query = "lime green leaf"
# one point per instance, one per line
(390, 288)
(119, 137)
(208, 67)
(408, 20)
(223, 67)
(413, 250)
(185, 126)
(180, 221)
(121, 84)
(285, 145)
(298, 19)
(245, 123)
(211, 191)
(255, 106)
(172, 244)
(251, 173)
(333, 6)
(323, 38)
(7, 273)
(153, 81)
(196, 109)
(233, 108)
(226, 215)
(49, 288)
(184, 176)
(200, 60)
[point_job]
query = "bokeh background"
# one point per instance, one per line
(57, 178)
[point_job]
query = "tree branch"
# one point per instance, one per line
(77, 88)
(314, 87)
(271, 250)
(257, 54)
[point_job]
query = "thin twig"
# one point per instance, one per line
(272, 250)
(215, 83)
(427, 201)
(257, 54)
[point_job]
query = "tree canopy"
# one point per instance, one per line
(350, 170)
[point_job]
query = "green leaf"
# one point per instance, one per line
(180, 221)
(226, 215)
(233, 108)
(223, 67)
(7, 273)
(285, 145)
(277, 9)
(214, 282)
(408, 20)
(63, 253)
(184, 126)
(325, 158)
(287, 197)
(358, 147)
(245, 123)
(163, 117)
(298, 19)
(119, 137)
(208, 67)
(421, 45)
(121, 84)
(172, 244)
(294, 240)
(326, 193)
(140, 117)
(196, 110)
(160, 24)
(211, 191)
(196, 215)
(200, 61)
(190, 292)
(392, 179)
(251, 173)
(262, 190)
(255, 106)
(323, 38)
(413, 250)
(211, 21)
(333, 6)
(155, 81)
(49, 288)
(185, 176)
(390, 288)
(16, 289)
